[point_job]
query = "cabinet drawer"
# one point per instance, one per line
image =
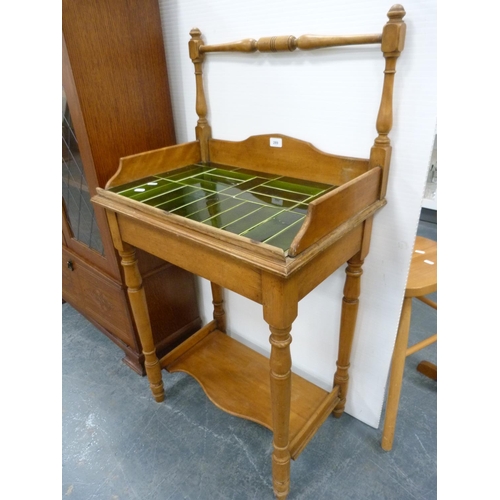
(97, 296)
(70, 282)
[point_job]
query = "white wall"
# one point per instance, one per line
(329, 98)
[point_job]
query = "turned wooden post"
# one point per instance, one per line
(348, 317)
(281, 392)
(393, 39)
(288, 43)
(139, 307)
(396, 377)
(218, 302)
(203, 130)
(280, 309)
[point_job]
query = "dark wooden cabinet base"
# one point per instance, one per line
(104, 302)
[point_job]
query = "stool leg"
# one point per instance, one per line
(396, 377)
(428, 369)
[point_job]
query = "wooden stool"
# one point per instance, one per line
(422, 280)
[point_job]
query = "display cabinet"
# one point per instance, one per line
(115, 102)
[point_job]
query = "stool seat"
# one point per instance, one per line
(422, 280)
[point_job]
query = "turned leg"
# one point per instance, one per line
(347, 325)
(139, 307)
(396, 377)
(218, 302)
(281, 390)
(280, 309)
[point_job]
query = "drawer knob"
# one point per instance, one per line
(70, 265)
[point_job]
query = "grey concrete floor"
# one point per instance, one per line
(118, 444)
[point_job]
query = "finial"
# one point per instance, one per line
(396, 13)
(195, 33)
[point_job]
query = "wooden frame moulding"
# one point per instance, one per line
(325, 214)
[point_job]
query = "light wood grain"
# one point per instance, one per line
(218, 303)
(245, 45)
(427, 301)
(421, 345)
(422, 280)
(328, 212)
(393, 38)
(396, 377)
(280, 301)
(139, 307)
(290, 43)
(295, 158)
(307, 432)
(350, 304)
(309, 42)
(176, 353)
(134, 167)
(203, 129)
(236, 379)
(221, 268)
(428, 369)
(337, 229)
(327, 261)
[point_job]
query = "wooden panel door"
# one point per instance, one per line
(116, 102)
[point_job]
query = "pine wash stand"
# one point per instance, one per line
(269, 223)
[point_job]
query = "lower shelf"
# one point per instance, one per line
(236, 379)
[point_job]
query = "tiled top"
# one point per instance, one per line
(263, 207)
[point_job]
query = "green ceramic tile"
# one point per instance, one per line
(315, 185)
(295, 187)
(173, 195)
(219, 214)
(279, 194)
(233, 174)
(185, 172)
(220, 165)
(146, 192)
(272, 226)
(265, 200)
(300, 208)
(251, 220)
(232, 215)
(209, 182)
(124, 188)
(259, 174)
(260, 206)
(207, 207)
(244, 186)
(284, 239)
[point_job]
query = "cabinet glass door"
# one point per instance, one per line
(75, 191)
